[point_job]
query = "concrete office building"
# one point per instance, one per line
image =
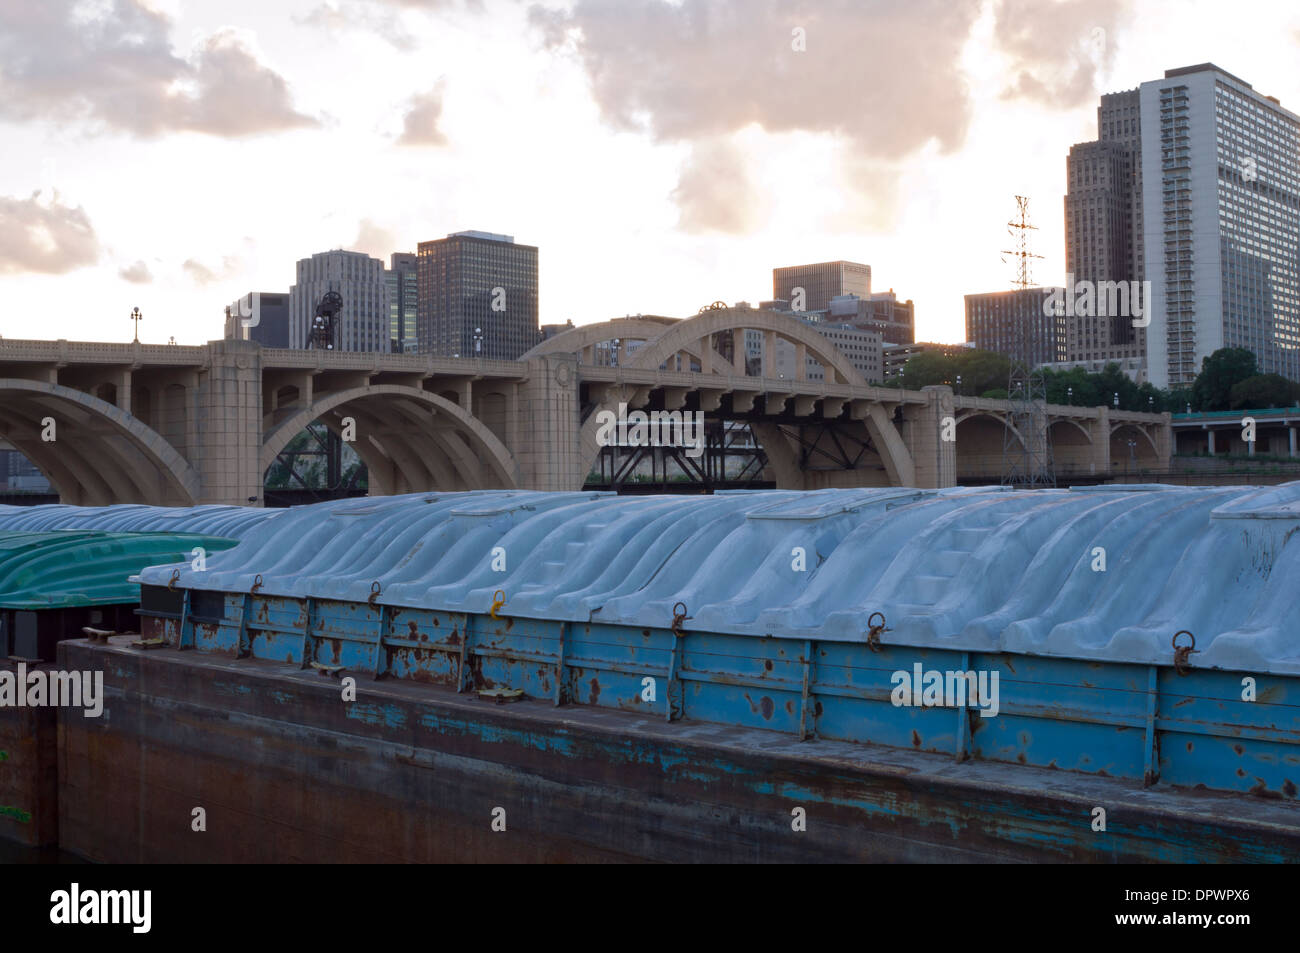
(17, 473)
(403, 302)
(271, 312)
(1134, 368)
(477, 296)
(1221, 193)
(863, 348)
(893, 320)
(821, 282)
(997, 321)
(359, 279)
(1103, 228)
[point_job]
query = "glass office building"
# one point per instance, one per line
(1221, 197)
(477, 296)
(403, 302)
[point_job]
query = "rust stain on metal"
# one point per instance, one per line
(916, 739)
(1288, 787)
(1238, 749)
(767, 664)
(595, 689)
(1185, 701)
(1262, 790)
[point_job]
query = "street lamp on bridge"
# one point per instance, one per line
(137, 317)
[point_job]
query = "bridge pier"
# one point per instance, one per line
(934, 460)
(228, 430)
(549, 446)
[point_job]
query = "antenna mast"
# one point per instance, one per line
(1026, 444)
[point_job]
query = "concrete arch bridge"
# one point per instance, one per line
(182, 425)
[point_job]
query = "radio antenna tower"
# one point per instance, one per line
(1026, 444)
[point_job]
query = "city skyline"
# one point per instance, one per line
(245, 150)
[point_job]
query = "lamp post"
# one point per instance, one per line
(613, 352)
(1069, 392)
(137, 317)
(1151, 405)
(1117, 400)
(478, 341)
(958, 385)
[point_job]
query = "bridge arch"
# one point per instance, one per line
(694, 334)
(411, 440)
(578, 339)
(1147, 455)
(980, 445)
(100, 454)
(1054, 422)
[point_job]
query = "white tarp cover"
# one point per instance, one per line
(968, 568)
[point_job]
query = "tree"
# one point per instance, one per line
(1219, 372)
(1263, 391)
(928, 368)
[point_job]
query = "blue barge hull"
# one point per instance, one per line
(1140, 722)
(411, 772)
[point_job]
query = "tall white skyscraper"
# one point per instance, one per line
(360, 280)
(1221, 223)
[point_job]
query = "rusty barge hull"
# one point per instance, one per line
(285, 770)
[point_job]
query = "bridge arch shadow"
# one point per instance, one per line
(100, 454)
(410, 440)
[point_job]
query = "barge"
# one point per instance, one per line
(1104, 673)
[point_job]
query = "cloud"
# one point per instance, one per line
(383, 23)
(375, 240)
(885, 78)
(714, 191)
(420, 127)
(111, 64)
(203, 274)
(44, 237)
(137, 273)
(199, 272)
(1060, 49)
(884, 74)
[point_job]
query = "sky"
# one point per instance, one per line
(173, 155)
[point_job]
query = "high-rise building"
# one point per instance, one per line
(477, 296)
(269, 310)
(363, 324)
(403, 302)
(893, 320)
(1103, 229)
(1221, 198)
(821, 283)
(995, 322)
(19, 473)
